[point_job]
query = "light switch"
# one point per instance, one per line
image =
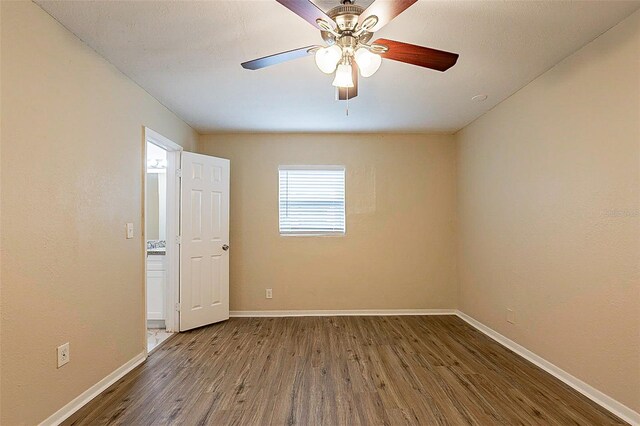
(129, 231)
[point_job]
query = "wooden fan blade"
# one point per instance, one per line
(277, 58)
(385, 10)
(418, 55)
(344, 93)
(306, 10)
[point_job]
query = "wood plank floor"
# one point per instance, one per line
(427, 370)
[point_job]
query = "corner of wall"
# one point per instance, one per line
(456, 209)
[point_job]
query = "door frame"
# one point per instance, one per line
(174, 152)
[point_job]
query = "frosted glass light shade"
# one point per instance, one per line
(367, 62)
(344, 77)
(328, 57)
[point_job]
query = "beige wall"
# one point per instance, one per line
(549, 215)
(399, 249)
(71, 178)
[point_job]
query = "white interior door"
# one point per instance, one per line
(204, 255)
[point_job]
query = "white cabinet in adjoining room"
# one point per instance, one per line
(156, 290)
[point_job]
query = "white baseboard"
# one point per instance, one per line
(617, 408)
(86, 396)
(341, 313)
(151, 323)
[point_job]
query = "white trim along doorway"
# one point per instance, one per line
(172, 215)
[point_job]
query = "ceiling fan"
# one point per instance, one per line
(347, 29)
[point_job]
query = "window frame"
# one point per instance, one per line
(334, 167)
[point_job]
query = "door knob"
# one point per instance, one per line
(225, 247)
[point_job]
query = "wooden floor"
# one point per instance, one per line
(429, 370)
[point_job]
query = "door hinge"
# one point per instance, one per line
(178, 307)
(179, 173)
(179, 239)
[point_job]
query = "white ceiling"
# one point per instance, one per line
(188, 55)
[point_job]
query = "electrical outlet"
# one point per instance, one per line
(129, 231)
(511, 316)
(268, 293)
(63, 354)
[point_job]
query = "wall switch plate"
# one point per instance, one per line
(511, 316)
(129, 231)
(268, 293)
(63, 354)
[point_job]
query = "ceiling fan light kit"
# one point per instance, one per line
(343, 76)
(368, 62)
(327, 58)
(347, 30)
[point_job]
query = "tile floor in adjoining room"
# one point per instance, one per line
(155, 336)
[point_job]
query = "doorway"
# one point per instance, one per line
(186, 243)
(161, 229)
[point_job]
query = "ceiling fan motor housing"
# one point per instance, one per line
(346, 17)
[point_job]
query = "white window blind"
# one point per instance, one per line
(311, 200)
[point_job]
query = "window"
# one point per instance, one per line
(311, 200)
